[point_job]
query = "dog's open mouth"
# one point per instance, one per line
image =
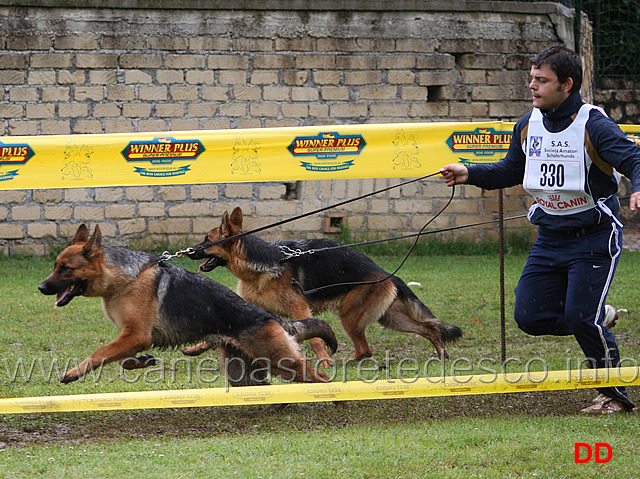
(210, 264)
(75, 289)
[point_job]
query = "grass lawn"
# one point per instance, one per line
(522, 435)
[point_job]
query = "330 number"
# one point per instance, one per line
(551, 175)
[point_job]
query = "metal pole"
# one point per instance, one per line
(503, 342)
(577, 24)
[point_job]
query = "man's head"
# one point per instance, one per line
(565, 63)
(556, 73)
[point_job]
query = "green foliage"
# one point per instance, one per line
(616, 30)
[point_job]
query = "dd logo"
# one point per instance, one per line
(589, 452)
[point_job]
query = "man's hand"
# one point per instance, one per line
(457, 174)
(634, 201)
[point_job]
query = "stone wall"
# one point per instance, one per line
(93, 67)
(620, 98)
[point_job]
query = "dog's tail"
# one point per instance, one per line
(417, 308)
(449, 333)
(303, 329)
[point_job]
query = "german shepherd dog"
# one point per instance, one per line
(158, 304)
(273, 280)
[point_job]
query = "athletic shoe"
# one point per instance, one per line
(610, 316)
(600, 398)
(609, 406)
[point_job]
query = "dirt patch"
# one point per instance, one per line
(60, 428)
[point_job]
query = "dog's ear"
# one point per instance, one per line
(94, 246)
(224, 225)
(230, 228)
(236, 218)
(82, 235)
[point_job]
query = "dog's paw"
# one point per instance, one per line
(443, 356)
(192, 351)
(69, 376)
(326, 363)
(139, 362)
(197, 349)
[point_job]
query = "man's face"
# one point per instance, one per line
(548, 92)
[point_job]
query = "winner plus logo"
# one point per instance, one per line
(161, 153)
(327, 149)
(635, 137)
(482, 145)
(11, 155)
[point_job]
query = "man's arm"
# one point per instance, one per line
(502, 174)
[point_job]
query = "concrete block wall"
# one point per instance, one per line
(620, 98)
(71, 69)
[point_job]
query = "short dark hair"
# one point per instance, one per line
(565, 63)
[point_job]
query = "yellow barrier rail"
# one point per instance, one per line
(496, 383)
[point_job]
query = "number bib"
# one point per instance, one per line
(556, 168)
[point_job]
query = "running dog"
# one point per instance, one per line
(163, 305)
(275, 276)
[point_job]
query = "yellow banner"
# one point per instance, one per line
(632, 132)
(321, 392)
(251, 155)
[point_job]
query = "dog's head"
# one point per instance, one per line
(75, 267)
(213, 249)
